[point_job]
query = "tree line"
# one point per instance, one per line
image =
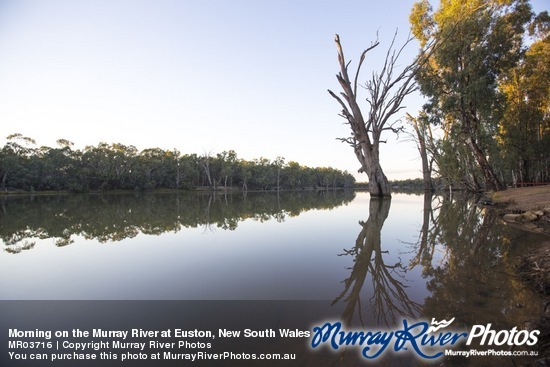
(23, 166)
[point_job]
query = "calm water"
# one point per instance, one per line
(374, 260)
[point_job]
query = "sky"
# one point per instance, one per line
(198, 76)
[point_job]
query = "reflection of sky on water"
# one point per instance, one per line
(292, 260)
(466, 257)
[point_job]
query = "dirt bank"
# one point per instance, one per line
(529, 209)
(525, 198)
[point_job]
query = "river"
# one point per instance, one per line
(373, 262)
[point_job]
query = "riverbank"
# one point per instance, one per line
(528, 208)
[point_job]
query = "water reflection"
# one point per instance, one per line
(115, 217)
(427, 241)
(474, 278)
(389, 300)
(466, 257)
(411, 257)
(474, 267)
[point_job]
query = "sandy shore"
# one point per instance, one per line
(524, 199)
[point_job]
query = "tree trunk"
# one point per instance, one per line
(378, 182)
(491, 180)
(3, 184)
(379, 186)
(426, 171)
(206, 166)
(421, 136)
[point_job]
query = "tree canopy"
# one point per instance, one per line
(487, 88)
(23, 166)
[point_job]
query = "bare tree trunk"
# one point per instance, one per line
(426, 171)
(385, 93)
(423, 132)
(205, 163)
(379, 185)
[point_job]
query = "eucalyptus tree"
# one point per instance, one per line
(205, 162)
(292, 173)
(478, 41)
(279, 164)
(155, 168)
(228, 162)
(55, 167)
(385, 93)
(524, 129)
(263, 173)
(14, 162)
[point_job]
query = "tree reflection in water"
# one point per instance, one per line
(114, 217)
(465, 254)
(389, 300)
(467, 257)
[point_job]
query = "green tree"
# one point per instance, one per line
(478, 41)
(153, 170)
(15, 157)
(524, 130)
(109, 167)
(228, 162)
(279, 164)
(263, 174)
(189, 171)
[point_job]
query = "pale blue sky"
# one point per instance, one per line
(199, 76)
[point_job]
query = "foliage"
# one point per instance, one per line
(121, 167)
(478, 81)
(524, 130)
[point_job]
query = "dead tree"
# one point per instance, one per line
(385, 93)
